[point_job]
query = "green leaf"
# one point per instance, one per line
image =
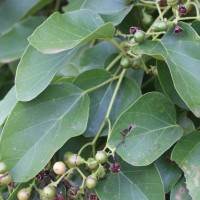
(73, 5)
(17, 36)
(35, 130)
(69, 70)
(186, 155)
(11, 12)
(181, 53)
(167, 84)
(7, 104)
(65, 31)
(100, 98)
(156, 130)
(196, 26)
(139, 183)
(186, 123)
(179, 191)
(169, 171)
(110, 11)
(95, 56)
(36, 70)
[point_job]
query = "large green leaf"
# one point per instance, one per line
(167, 84)
(132, 183)
(7, 104)
(179, 191)
(181, 53)
(17, 36)
(186, 154)
(111, 11)
(64, 31)
(169, 171)
(11, 12)
(100, 98)
(156, 130)
(36, 70)
(35, 130)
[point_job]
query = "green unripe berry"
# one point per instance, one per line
(147, 19)
(49, 191)
(3, 168)
(163, 26)
(5, 179)
(132, 40)
(125, 62)
(139, 36)
(101, 157)
(136, 64)
(74, 160)
(100, 172)
(92, 163)
(24, 194)
(91, 182)
(59, 168)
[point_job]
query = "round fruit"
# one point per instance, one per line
(74, 160)
(101, 172)
(139, 36)
(125, 62)
(136, 64)
(147, 19)
(163, 26)
(3, 167)
(24, 194)
(59, 168)
(92, 163)
(91, 182)
(101, 157)
(5, 179)
(49, 191)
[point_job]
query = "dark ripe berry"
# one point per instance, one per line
(59, 168)
(66, 184)
(139, 36)
(92, 163)
(133, 30)
(11, 185)
(101, 157)
(5, 179)
(58, 197)
(125, 62)
(72, 192)
(24, 194)
(91, 182)
(93, 197)
(178, 29)
(41, 175)
(49, 191)
(115, 168)
(162, 3)
(3, 167)
(182, 10)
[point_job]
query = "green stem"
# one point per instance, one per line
(156, 33)
(114, 62)
(145, 5)
(147, 2)
(116, 45)
(147, 82)
(196, 7)
(159, 11)
(188, 18)
(57, 6)
(101, 85)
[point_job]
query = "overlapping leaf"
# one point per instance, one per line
(100, 98)
(181, 53)
(11, 12)
(156, 130)
(139, 183)
(7, 104)
(17, 36)
(36, 130)
(36, 70)
(65, 31)
(186, 154)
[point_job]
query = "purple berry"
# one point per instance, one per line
(178, 29)
(182, 10)
(115, 168)
(133, 30)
